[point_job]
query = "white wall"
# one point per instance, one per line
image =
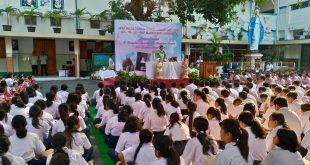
(292, 52)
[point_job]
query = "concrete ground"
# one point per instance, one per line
(90, 87)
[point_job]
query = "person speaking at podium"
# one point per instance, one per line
(160, 54)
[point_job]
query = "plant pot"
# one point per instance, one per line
(31, 29)
(102, 32)
(7, 27)
(57, 30)
(194, 36)
(307, 37)
(79, 31)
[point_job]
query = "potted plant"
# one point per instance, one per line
(30, 14)
(78, 14)
(103, 16)
(8, 11)
(56, 15)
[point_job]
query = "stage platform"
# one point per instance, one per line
(57, 78)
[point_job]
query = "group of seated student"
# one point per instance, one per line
(37, 130)
(236, 122)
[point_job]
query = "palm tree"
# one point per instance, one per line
(79, 13)
(8, 11)
(56, 15)
(103, 16)
(30, 14)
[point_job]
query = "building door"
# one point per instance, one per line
(305, 57)
(46, 46)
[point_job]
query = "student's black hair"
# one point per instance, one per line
(162, 85)
(138, 96)
(305, 107)
(164, 145)
(73, 98)
(31, 92)
(156, 104)
(239, 135)
(123, 88)
(163, 94)
(41, 104)
(263, 96)
(5, 107)
(4, 148)
(172, 101)
(3, 83)
(35, 113)
(60, 159)
(287, 140)
(59, 141)
(17, 101)
(132, 125)
(147, 99)
(292, 95)
(24, 97)
(71, 123)
(19, 124)
(243, 95)
(127, 109)
(122, 116)
(105, 100)
(2, 132)
(190, 80)
(182, 85)
(215, 113)
(64, 87)
(250, 85)
(280, 101)
(54, 88)
(50, 97)
(63, 110)
(145, 136)
(262, 89)
(225, 93)
(278, 89)
(154, 89)
(80, 87)
(221, 103)
(183, 95)
(174, 119)
(73, 109)
(201, 125)
(192, 107)
(112, 105)
(100, 85)
(107, 91)
(174, 84)
(248, 119)
(267, 85)
(279, 117)
(201, 94)
(130, 92)
(206, 91)
(250, 107)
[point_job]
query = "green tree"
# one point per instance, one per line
(8, 11)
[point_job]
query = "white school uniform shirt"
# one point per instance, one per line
(81, 108)
(74, 156)
(136, 107)
(114, 127)
(191, 87)
(305, 143)
(59, 126)
(237, 110)
(193, 154)
(80, 142)
(155, 123)
(100, 112)
(229, 104)
(19, 111)
(214, 128)
(266, 116)
(8, 130)
(231, 155)
(26, 147)
(122, 98)
(269, 138)
(184, 89)
(81, 122)
(279, 156)
(85, 97)
(181, 104)
(202, 107)
(305, 123)
(106, 116)
(145, 154)
(53, 109)
(163, 161)
(15, 160)
(129, 100)
(292, 120)
(34, 99)
(233, 93)
(63, 96)
(195, 115)
(257, 146)
(48, 118)
(296, 107)
(144, 111)
(169, 109)
(126, 140)
(43, 130)
(178, 132)
(96, 93)
(40, 95)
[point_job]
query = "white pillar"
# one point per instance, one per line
(77, 57)
(187, 49)
(9, 54)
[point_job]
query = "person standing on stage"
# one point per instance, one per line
(43, 59)
(34, 63)
(200, 59)
(111, 62)
(160, 54)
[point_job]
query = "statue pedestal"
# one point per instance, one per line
(253, 57)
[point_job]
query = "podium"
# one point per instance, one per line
(207, 69)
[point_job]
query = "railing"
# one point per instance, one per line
(246, 65)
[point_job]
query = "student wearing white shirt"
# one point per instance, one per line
(264, 101)
(32, 95)
(200, 99)
(6, 129)
(222, 107)
(12, 159)
(96, 93)
(36, 124)
(165, 152)
(48, 118)
(114, 128)
(191, 87)
(128, 138)
(214, 118)
(18, 107)
(111, 111)
(54, 89)
(293, 103)
(101, 110)
(305, 124)
(63, 94)
(37, 90)
(192, 115)
(183, 102)
(236, 150)
(59, 141)
(146, 108)
(141, 153)
(130, 96)
(291, 117)
(171, 106)
(121, 97)
(60, 125)
(182, 88)
(137, 105)
(228, 100)
(178, 131)
(51, 104)
(256, 141)
(285, 152)
(276, 121)
(157, 119)
(202, 148)
(77, 140)
(26, 144)
(73, 111)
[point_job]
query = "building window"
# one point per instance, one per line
(95, 24)
(30, 20)
(54, 22)
(301, 5)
